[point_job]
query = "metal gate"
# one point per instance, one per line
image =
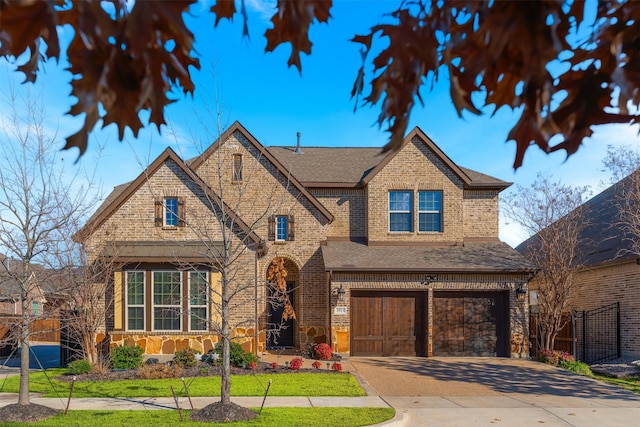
(70, 348)
(598, 334)
(590, 336)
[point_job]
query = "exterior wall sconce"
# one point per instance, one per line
(340, 292)
(521, 292)
(427, 280)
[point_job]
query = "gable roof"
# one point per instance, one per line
(603, 238)
(356, 166)
(123, 192)
(196, 162)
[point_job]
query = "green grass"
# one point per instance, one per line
(631, 383)
(299, 384)
(282, 417)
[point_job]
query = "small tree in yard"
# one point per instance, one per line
(554, 215)
(87, 300)
(38, 199)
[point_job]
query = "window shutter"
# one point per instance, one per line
(291, 230)
(272, 228)
(159, 211)
(181, 212)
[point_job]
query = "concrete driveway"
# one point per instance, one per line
(493, 391)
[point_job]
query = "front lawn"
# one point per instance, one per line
(282, 417)
(629, 383)
(298, 384)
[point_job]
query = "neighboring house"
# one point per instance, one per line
(387, 254)
(12, 281)
(609, 273)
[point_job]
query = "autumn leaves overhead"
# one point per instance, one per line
(561, 71)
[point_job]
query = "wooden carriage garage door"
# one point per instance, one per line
(470, 323)
(388, 323)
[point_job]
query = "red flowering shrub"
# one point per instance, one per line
(252, 365)
(336, 367)
(274, 365)
(295, 364)
(316, 364)
(322, 351)
(555, 357)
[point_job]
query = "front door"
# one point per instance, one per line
(280, 332)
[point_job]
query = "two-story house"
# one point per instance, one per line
(386, 254)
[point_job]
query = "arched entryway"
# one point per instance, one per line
(280, 326)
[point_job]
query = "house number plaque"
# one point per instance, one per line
(340, 310)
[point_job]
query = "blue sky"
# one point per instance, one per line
(274, 102)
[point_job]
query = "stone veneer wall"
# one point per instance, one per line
(518, 315)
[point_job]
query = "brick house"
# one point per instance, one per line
(608, 272)
(394, 254)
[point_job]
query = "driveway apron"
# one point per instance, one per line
(494, 391)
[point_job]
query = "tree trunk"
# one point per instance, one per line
(23, 396)
(225, 391)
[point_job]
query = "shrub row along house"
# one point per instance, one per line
(394, 254)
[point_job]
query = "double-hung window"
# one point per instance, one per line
(401, 211)
(170, 212)
(135, 300)
(198, 301)
(167, 291)
(430, 211)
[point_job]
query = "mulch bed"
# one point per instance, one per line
(200, 370)
(26, 413)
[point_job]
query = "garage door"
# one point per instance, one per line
(388, 323)
(470, 324)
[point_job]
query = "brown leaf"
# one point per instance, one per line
(291, 24)
(223, 9)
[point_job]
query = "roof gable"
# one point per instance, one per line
(123, 192)
(470, 178)
(195, 163)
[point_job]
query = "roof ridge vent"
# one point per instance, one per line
(298, 150)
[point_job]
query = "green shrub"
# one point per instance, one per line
(185, 358)
(237, 356)
(79, 367)
(126, 357)
(577, 367)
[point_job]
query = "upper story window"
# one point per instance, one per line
(430, 211)
(169, 212)
(135, 300)
(237, 168)
(35, 308)
(400, 211)
(281, 228)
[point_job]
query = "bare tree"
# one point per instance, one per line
(39, 197)
(85, 287)
(554, 216)
(624, 165)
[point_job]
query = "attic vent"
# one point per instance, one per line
(298, 150)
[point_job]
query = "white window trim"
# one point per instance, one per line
(166, 211)
(207, 302)
(430, 211)
(286, 228)
(154, 306)
(126, 299)
(410, 212)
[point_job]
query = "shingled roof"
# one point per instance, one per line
(474, 257)
(354, 166)
(603, 238)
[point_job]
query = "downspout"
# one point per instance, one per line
(330, 310)
(255, 300)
